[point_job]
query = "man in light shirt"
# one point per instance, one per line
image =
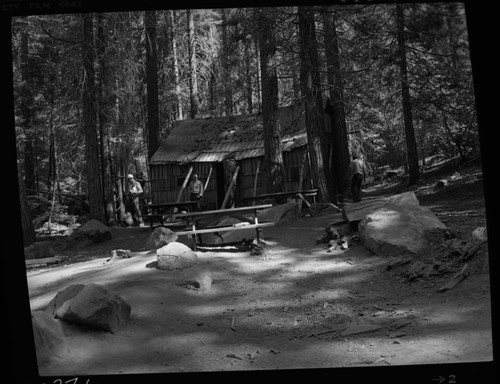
(135, 192)
(357, 175)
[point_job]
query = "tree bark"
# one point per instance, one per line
(270, 114)
(248, 78)
(175, 65)
(153, 128)
(94, 185)
(313, 101)
(411, 144)
(226, 68)
(193, 79)
(26, 102)
(103, 110)
(29, 236)
(340, 146)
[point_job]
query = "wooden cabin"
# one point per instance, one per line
(216, 148)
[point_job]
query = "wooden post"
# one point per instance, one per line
(184, 184)
(228, 193)
(301, 176)
(255, 180)
(208, 178)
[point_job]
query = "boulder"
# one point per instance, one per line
(353, 213)
(48, 335)
(93, 231)
(175, 255)
(400, 230)
(91, 305)
(198, 277)
(280, 214)
(161, 236)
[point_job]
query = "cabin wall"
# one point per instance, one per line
(167, 179)
(292, 161)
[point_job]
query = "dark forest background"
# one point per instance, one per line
(95, 93)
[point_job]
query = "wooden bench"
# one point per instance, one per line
(298, 195)
(160, 207)
(194, 223)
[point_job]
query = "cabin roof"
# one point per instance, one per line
(217, 138)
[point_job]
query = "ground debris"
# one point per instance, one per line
(455, 280)
(398, 324)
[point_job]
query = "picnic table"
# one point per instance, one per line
(301, 194)
(193, 220)
(158, 212)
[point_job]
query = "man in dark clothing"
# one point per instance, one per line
(196, 190)
(357, 175)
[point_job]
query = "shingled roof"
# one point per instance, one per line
(217, 138)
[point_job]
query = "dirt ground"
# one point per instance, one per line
(295, 306)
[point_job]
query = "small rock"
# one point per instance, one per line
(160, 237)
(175, 256)
(198, 278)
(121, 253)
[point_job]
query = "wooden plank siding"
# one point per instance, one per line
(166, 179)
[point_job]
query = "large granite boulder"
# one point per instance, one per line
(353, 213)
(91, 305)
(159, 237)
(93, 231)
(401, 227)
(175, 255)
(48, 336)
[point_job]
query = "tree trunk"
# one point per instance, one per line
(29, 236)
(26, 102)
(313, 101)
(411, 144)
(175, 65)
(94, 186)
(103, 111)
(270, 114)
(226, 69)
(193, 79)
(340, 145)
(248, 79)
(153, 128)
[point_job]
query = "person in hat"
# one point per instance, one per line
(196, 190)
(357, 175)
(135, 192)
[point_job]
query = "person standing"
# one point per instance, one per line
(196, 189)
(357, 175)
(135, 193)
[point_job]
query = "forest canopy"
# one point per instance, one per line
(96, 93)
